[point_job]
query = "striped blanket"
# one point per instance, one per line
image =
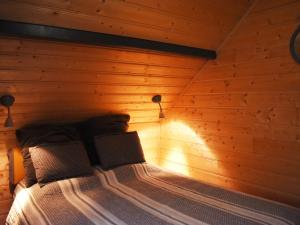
(141, 194)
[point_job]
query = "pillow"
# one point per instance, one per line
(119, 149)
(30, 176)
(107, 124)
(59, 161)
(41, 134)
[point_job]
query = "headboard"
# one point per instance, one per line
(16, 169)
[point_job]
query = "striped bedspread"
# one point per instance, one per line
(141, 194)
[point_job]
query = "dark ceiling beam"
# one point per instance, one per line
(94, 38)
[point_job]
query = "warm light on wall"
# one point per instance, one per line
(180, 144)
(174, 145)
(176, 155)
(183, 132)
(149, 136)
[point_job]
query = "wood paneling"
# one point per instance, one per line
(237, 123)
(198, 23)
(59, 82)
(4, 206)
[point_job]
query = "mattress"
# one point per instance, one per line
(141, 194)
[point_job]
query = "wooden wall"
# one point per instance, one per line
(58, 81)
(54, 81)
(234, 122)
(237, 125)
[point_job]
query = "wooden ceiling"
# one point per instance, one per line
(197, 23)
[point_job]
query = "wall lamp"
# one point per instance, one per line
(157, 99)
(8, 101)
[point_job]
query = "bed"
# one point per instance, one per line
(95, 173)
(141, 194)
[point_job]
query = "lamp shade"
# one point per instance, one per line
(157, 99)
(8, 101)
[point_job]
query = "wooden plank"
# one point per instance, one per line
(5, 206)
(274, 132)
(5, 193)
(264, 5)
(56, 63)
(259, 115)
(265, 84)
(91, 98)
(4, 177)
(20, 109)
(83, 77)
(5, 135)
(58, 87)
(280, 100)
(276, 16)
(4, 160)
(3, 218)
(193, 9)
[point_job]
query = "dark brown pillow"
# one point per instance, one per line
(105, 124)
(119, 149)
(41, 134)
(60, 161)
(30, 177)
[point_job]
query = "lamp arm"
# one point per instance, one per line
(160, 106)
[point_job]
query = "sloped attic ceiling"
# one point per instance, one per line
(198, 23)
